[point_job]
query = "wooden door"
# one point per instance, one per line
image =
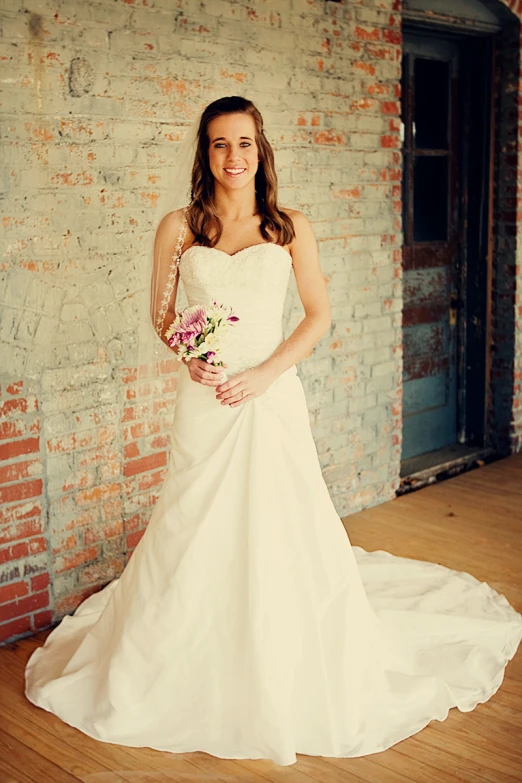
(430, 80)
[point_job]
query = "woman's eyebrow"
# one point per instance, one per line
(222, 138)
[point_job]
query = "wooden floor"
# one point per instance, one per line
(472, 522)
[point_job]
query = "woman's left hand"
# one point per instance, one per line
(244, 386)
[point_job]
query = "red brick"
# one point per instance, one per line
(380, 52)
(168, 366)
(103, 571)
(71, 442)
(133, 539)
(25, 489)
(24, 606)
(392, 36)
(367, 68)
(42, 620)
(13, 591)
(161, 442)
(37, 545)
(138, 521)
(129, 414)
(390, 141)
(131, 450)
(71, 179)
(11, 429)
(329, 137)
(112, 509)
(165, 404)
(18, 447)
(367, 34)
(378, 89)
(21, 520)
(103, 532)
(143, 464)
(390, 107)
(14, 628)
(97, 494)
(69, 602)
(18, 405)
(19, 470)
(149, 480)
(65, 544)
(15, 387)
(354, 192)
(40, 582)
(78, 480)
(69, 562)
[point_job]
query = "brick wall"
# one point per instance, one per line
(505, 410)
(94, 98)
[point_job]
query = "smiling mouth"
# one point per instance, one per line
(234, 172)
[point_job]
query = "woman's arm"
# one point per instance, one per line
(311, 286)
(164, 248)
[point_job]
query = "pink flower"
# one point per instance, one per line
(193, 319)
(189, 338)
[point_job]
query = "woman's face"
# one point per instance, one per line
(233, 152)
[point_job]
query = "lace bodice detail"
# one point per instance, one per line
(253, 282)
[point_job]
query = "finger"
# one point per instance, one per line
(238, 396)
(200, 376)
(246, 398)
(207, 367)
(217, 380)
(201, 363)
(229, 386)
(210, 371)
(209, 376)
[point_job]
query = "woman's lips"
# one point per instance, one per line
(234, 171)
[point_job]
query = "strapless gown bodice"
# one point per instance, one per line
(253, 282)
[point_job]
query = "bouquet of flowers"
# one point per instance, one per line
(198, 331)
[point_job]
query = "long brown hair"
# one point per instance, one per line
(202, 215)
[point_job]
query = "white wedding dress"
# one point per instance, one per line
(245, 624)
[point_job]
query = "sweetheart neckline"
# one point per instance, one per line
(232, 255)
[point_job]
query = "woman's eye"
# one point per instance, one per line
(222, 144)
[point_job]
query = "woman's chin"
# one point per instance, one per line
(236, 183)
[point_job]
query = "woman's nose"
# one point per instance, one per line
(234, 152)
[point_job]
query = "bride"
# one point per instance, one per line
(245, 624)
(233, 210)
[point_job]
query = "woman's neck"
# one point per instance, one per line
(232, 207)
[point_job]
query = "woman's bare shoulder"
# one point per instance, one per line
(297, 217)
(173, 217)
(292, 213)
(302, 225)
(169, 225)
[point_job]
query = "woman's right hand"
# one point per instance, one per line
(205, 373)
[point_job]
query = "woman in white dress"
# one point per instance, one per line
(226, 189)
(245, 624)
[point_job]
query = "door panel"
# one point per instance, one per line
(429, 95)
